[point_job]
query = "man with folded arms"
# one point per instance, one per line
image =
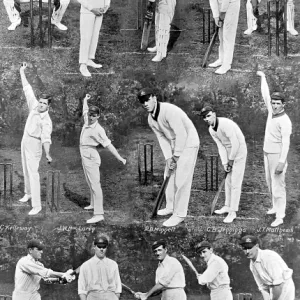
(272, 275)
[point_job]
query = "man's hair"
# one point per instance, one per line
(278, 96)
(47, 97)
(158, 244)
(94, 109)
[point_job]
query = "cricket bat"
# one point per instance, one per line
(146, 30)
(211, 44)
(160, 196)
(218, 194)
(128, 288)
(190, 265)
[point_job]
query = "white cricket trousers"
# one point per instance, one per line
(234, 180)
(288, 291)
(227, 33)
(179, 187)
(173, 294)
(90, 26)
(95, 295)
(221, 293)
(14, 15)
(251, 19)
(25, 296)
(31, 153)
(91, 163)
(276, 183)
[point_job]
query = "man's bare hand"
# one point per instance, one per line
(96, 11)
(87, 97)
(279, 168)
(23, 66)
(260, 73)
(49, 158)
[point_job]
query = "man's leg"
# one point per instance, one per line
(91, 163)
(237, 176)
(13, 14)
(91, 206)
(183, 182)
(87, 22)
(229, 34)
(59, 9)
(27, 189)
(269, 182)
(291, 17)
(94, 42)
(251, 20)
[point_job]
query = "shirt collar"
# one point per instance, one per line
(31, 258)
(212, 257)
(91, 126)
(215, 128)
(97, 260)
(278, 115)
(165, 260)
(155, 114)
(43, 114)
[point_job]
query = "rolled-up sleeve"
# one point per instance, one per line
(82, 281)
(102, 138)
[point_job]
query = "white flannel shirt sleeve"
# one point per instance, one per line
(214, 5)
(230, 133)
(118, 281)
(31, 267)
(83, 281)
(286, 131)
(221, 148)
(46, 130)
(266, 93)
(168, 275)
(225, 5)
(210, 273)
(30, 97)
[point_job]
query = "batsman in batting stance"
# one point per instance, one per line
(37, 135)
(226, 15)
(179, 141)
(30, 271)
(233, 152)
(93, 134)
(13, 8)
(272, 275)
(251, 6)
(164, 14)
(276, 148)
(169, 277)
(99, 277)
(216, 275)
(91, 16)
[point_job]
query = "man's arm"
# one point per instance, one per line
(265, 90)
(266, 295)
(210, 273)
(115, 153)
(222, 152)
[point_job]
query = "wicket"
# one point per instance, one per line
(146, 172)
(214, 164)
(7, 174)
(206, 20)
(53, 190)
(277, 29)
(41, 24)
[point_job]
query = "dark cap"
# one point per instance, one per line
(248, 241)
(144, 93)
(94, 110)
(205, 110)
(156, 244)
(203, 245)
(35, 244)
(278, 96)
(101, 240)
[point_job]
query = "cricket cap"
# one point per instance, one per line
(203, 245)
(248, 241)
(35, 244)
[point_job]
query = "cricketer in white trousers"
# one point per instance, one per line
(91, 136)
(276, 147)
(14, 14)
(37, 131)
(164, 14)
(227, 32)
(90, 26)
(269, 270)
(251, 19)
(177, 136)
(232, 146)
(216, 278)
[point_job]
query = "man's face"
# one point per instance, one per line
(160, 253)
(150, 104)
(277, 106)
(36, 253)
(251, 253)
(206, 254)
(92, 118)
(210, 118)
(43, 105)
(100, 250)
